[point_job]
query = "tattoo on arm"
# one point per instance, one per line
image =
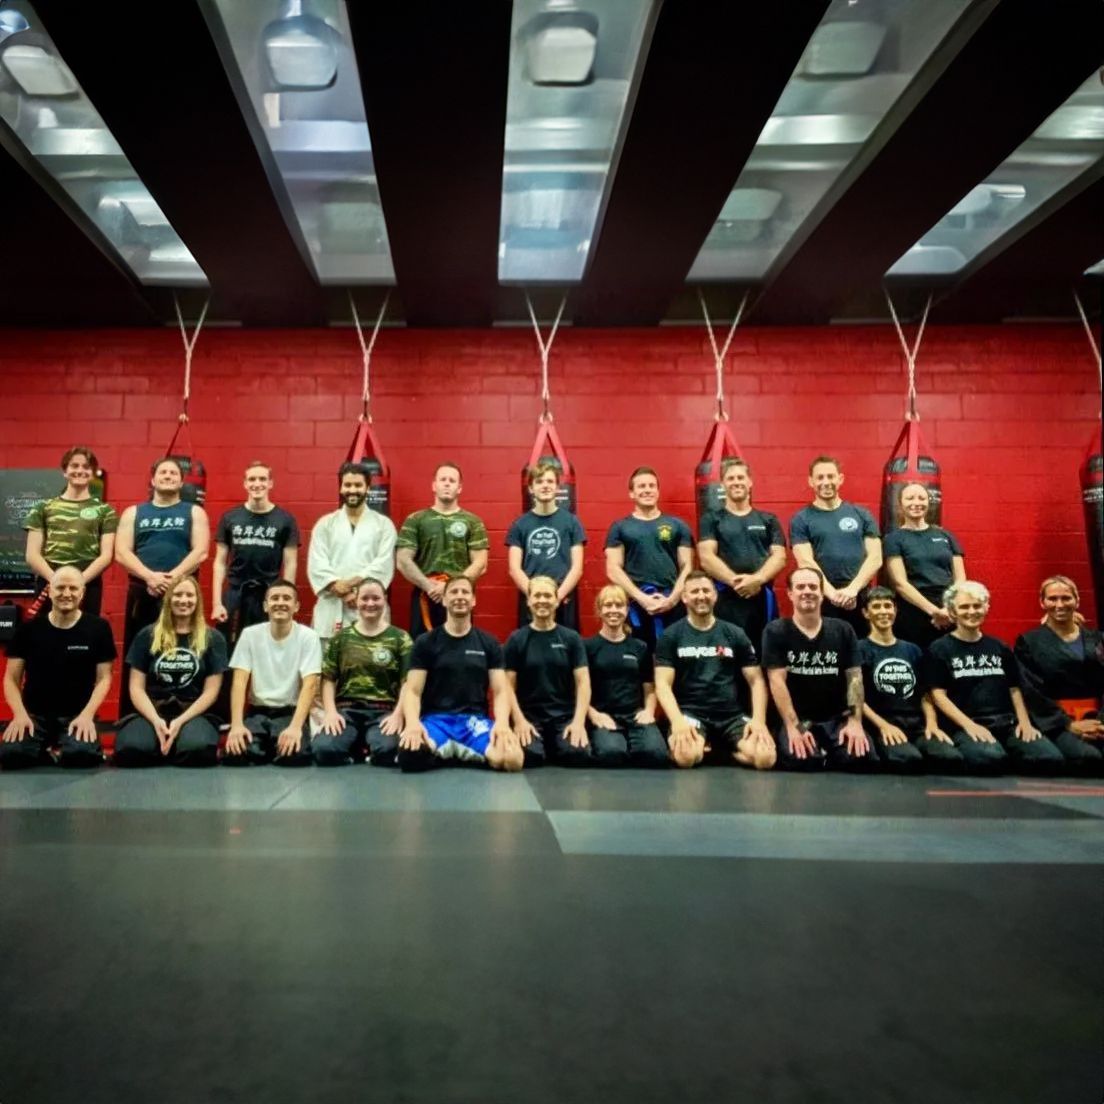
(855, 692)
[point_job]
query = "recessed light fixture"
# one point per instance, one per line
(36, 69)
(560, 47)
(301, 49)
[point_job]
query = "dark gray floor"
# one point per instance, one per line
(354, 935)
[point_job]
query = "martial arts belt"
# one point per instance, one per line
(908, 464)
(194, 488)
(1079, 709)
(709, 491)
(425, 605)
(365, 451)
(657, 618)
(1092, 501)
(770, 601)
(548, 449)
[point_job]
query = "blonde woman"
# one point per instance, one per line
(176, 667)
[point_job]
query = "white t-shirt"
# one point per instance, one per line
(277, 667)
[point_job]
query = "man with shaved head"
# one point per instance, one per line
(58, 674)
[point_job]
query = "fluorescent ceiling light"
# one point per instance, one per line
(750, 204)
(560, 47)
(37, 71)
(842, 49)
(301, 50)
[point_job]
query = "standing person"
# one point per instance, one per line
(921, 561)
(897, 710)
(74, 529)
(348, 545)
(1062, 664)
(58, 674)
(698, 664)
(839, 539)
(743, 549)
(816, 681)
(176, 668)
(259, 543)
(437, 543)
(546, 667)
(648, 555)
(452, 668)
(158, 542)
(975, 683)
(362, 677)
(278, 664)
(547, 541)
(622, 690)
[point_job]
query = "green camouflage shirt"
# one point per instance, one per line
(443, 542)
(72, 529)
(367, 668)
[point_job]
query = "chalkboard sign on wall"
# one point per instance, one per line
(20, 489)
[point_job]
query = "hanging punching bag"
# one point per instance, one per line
(548, 449)
(365, 451)
(709, 491)
(194, 488)
(909, 464)
(1092, 500)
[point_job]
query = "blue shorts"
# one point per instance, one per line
(463, 736)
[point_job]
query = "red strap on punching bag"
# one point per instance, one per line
(548, 443)
(720, 446)
(910, 438)
(366, 445)
(182, 424)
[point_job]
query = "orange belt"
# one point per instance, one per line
(1078, 709)
(424, 602)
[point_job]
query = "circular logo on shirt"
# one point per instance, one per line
(666, 532)
(848, 524)
(895, 678)
(89, 513)
(544, 542)
(381, 656)
(458, 529)
(176, 669)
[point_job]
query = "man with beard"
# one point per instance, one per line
(351, 544)
(698, 662)
(58, 674)
(816, 681)
(435, 544)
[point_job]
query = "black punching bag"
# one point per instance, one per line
(365, 451)
(548, 449)
(909, 464)
(709, 492)
(1092, 500)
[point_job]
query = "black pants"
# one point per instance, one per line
(648, 628)
(749, 614)
(360, 737)
(437, 613)
(830, 751)
(1037, 757)
(630, 744)
(244, 607)
(142, 609)
(914, 625)
(854, 617)
(50, 732)
(265, 725)
(551, 746)
(136, 744)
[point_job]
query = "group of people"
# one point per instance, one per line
(857, 676)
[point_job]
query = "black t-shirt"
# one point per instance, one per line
(617, 674)
(545, 665)
(743, 543)
(546, 541)
(817, 667)
(927, 554)
(977, 675)
(457, 670)
(177, 674)
(708, 667)
(837, 538)
(891, 678)
(60, 664)
(651, 548)
(256, 543)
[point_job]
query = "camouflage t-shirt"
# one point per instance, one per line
(72, 529)
(443, 543)
(367, 668)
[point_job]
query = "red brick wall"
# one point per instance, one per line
(1007, 411)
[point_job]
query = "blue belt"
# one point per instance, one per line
(767, 590)
(635, 611)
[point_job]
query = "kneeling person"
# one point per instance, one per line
(696, 666)
(452, 667)
(546, 667)
(279, 664)
(897, 711)
(622, 690)
(362, 677)
(975, 682)
(58, 674)
(816, 682)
